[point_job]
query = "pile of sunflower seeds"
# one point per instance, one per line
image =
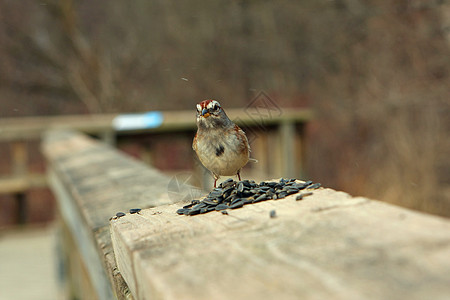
(232, 194)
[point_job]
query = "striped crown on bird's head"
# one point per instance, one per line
(208, 107)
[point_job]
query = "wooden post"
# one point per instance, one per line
(287, 141)
(108, 137)
(19, 158)
(260, 152)
(19, 170)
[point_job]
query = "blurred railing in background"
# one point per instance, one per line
(161, 139)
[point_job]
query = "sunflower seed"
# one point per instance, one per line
(182, 211)
(237, 204)
(314, 186)
(291, 191)
(260, 198)
(281, 195)
(193, 212)
(221, 207)
(227, 183)
(240, 187)
(236, 200)
(248, 200)
(210, 202)
(198, 206)
(189, 205)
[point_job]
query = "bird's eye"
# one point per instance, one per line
(216, 107)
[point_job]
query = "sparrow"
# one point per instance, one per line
(221, 145)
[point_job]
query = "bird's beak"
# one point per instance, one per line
(205, 113)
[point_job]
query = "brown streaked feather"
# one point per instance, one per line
(242, 138)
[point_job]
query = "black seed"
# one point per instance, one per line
(270, 195)
(227, 191)
(236, 200)
(215, 193)
(240, 187)
(272, 184)
(260, 198)
(249, 183)
(189, 205)
(291, 191)
(195, 202)
(281, 195)
(314, 186)
(221, 207)
(299, 197)
(224, 212)
(282, 181)
(181, 211)
(299, 186)
(220, 150)
(273, 214)
(306, 194)
(198, 206)
(193, 212)
(120, 214)
(308, 182)
(248, 200)
(227, 183)
(237, 204)
(229, 198)
(210, 202)
(135, 210)
(243, 194)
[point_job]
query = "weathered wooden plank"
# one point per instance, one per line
(327, 246)
(92, 182)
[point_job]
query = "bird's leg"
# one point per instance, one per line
(239, 174)
(215, 180)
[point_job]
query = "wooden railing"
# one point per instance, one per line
(328, 246)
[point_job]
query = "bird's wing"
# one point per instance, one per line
(194, 143)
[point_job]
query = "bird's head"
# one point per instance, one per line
(210, 114)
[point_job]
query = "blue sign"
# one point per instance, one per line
(151, 119)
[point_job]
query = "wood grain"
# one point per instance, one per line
(327, 246)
